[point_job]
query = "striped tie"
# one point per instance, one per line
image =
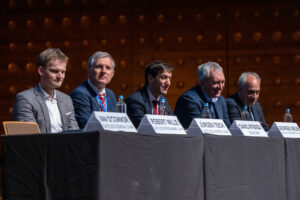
(102, 98)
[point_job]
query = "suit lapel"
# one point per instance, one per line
(254, 112)
(146, 99)
(40, 98)
(62, 110)
(239, 102)
(201, 94)
(93, 94)
(108, 101)
(218, 109)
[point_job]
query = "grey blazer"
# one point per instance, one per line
(30, 106)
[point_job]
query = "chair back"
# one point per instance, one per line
(19, 128)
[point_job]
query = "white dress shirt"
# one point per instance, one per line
(54, 113)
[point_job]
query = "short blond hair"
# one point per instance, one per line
(50, 54)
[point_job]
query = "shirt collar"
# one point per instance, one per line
(207, 98)
(96, 89)
(46, 95)
(151, 97)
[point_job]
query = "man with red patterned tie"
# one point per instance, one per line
(92, 95)
(145, 101)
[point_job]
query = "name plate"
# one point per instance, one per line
(211, 126)
(109, 121)
(247, 128)
(160, 124)
(285, 129)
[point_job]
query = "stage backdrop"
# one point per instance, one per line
(261, 36)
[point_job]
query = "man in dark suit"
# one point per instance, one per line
(210, 85)
(92, 95)
(248, 94)
(51, 109)
(145, 101)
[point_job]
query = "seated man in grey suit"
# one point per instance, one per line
(248, 93)
(92, 95)
(211, 81)
(145, 101)
(50, 108)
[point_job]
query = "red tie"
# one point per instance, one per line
(155, 109)
(102, 98)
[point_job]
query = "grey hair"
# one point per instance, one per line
(205, 68)
(99, 54)
(243, 78)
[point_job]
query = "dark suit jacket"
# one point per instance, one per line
(85, 102)
(30, 106)
(138, 104)
(235, 108)
(191, 103)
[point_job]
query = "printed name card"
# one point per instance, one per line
(160, 124)
(285, 129)
(211, 126)
(109, 121)
(247, 128)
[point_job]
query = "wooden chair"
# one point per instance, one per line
(19, 128)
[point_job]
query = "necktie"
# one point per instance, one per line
(155, 107)
(250, 114)
(102, 99)
(211, 106)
